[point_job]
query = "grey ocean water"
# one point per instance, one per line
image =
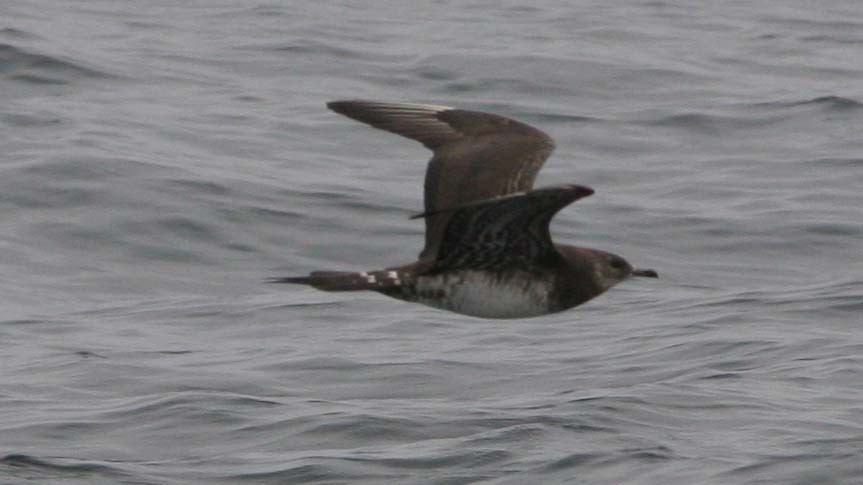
(159, 160)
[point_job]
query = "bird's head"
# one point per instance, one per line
(610, 269)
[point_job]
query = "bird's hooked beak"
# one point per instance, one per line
(649, 273)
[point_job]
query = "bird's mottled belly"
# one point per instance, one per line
(483, 294)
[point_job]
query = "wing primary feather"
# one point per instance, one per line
(477, 155)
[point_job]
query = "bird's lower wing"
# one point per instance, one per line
(508, 231)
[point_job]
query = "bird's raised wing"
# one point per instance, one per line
(507, 231)
(476, 155)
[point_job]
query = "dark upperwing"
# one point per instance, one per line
(477, 155)
(504, 232)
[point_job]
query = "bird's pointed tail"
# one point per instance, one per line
(346, 281)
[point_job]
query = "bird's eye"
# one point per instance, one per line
(618, 263)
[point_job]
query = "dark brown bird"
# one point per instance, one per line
(488, 251)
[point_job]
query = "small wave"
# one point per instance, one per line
(29, 120)
(40, 468)
(312, 49)
(829, 102)
(20, 65)
(365, 427)
(690, 120)
(572, 461)
(564, 118)
(467, 459)
(311, 473)
(707, 123)
(833, 163)
(834, 39)
(12, 33)
(751, 116)
(834, 102)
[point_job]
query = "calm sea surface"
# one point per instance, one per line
(159, 160)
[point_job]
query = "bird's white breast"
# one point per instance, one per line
(486, 295)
